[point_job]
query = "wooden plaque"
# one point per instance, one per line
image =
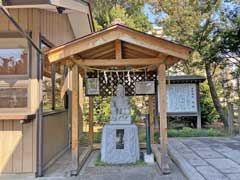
(145, 87)
(92, 87)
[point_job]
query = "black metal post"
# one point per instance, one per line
(148, 140)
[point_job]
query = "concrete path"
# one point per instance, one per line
(142, 172)
(207, 158)
(92, 172)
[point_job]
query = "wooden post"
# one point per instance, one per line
(91, 135)
(151, 117)
(75, 114)
(199, 119)
(239, 118)
(230, 118)
(81, 102)
(163, 119)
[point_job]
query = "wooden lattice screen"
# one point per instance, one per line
(113, 79)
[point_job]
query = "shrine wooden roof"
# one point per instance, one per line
(117, 42)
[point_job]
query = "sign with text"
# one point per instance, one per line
(181, 98)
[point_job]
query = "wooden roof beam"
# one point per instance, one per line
(118, 49)
(121, 62)
(118, 33)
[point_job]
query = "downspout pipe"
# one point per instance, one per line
(40, 120)
(39, 76)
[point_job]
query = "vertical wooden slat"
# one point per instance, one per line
(75, 119)
(17, 155)
(48, 23)
(163, 118)
(30, 19)
(91, 135)
(14, 14)
(27, 147)
(3, 22)
(1, 146)
(50, 27)
(151, 118)
(8, 146)
(23, 18)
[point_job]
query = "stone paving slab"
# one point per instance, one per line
(211, 173)
(207, 153)
(225, 165)
(207, 158)
(234, 155)
(233, 176)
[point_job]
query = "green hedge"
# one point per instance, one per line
(189, 132)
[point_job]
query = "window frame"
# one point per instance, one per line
(45, 41)
(22, 110)
(18, 81)
(16, 35)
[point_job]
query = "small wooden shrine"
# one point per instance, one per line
(115, 55)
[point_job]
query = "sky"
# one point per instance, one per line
(147, 11)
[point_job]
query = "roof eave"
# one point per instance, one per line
(69, 4)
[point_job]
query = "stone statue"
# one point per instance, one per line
(120, 143)
(120, 108)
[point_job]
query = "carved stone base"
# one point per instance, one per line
(120, 144)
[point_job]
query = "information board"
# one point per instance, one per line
(181, 98)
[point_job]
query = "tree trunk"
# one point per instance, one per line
(215, 98)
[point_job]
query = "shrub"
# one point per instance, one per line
(189, 132)
(208, 111)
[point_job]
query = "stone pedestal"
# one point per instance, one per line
(120, 144)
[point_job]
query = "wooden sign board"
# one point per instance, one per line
(145, 87)
(92, 87)
(181, 98)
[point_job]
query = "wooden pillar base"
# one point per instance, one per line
(161, 158)
(74, 172)
(164, 161)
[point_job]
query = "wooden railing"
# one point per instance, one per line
(232, 110)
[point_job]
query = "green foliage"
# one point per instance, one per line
(97, 137)
(208, 111)
(135, 110)
(211, 29)
(101, 109)
(185, 26)
(129, 12)
(189, 132)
